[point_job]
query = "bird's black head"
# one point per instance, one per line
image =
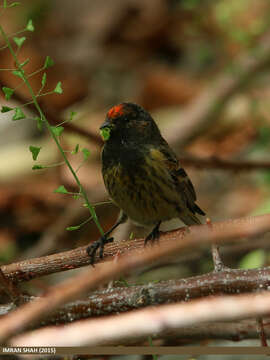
(128, 122)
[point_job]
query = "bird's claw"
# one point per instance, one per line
(152, 237)
(99, 244)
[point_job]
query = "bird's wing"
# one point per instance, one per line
(180, 178)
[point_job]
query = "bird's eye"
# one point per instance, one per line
(105, 133)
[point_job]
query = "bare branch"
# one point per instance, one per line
(224, 164)
(32, 268)
(9, 288)
(153, 320)
(79, 285)
(121, 299)
(200, 113)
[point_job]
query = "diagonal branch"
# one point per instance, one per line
(200, 113)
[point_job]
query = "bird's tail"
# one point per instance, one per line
(189, 219)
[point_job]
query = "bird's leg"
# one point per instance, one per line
(154, 234)
(218, 263)
(104, 239)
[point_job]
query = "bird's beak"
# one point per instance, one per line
(105, 124)
(105, 130)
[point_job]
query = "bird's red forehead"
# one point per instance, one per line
(117, 110)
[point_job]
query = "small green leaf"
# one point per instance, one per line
(76, 197)
(18, 114)
(8, 92)
(86, 153)
(61, 190)
(16, 3)
(38, 167)
(57, 130)
(25, 62)
(19, 40)
(72, 228)
(253, 259)
(75, 151)
(30, 26)
(48, 62)
(44, 79)
(58, 89)
(105, 133)
(6, 109)
(19, 73)
(35, 151)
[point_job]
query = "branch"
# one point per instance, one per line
(218, 163)
(233, 331)
(200, 113)
(153, 320)
(32, 268)
(122, 299)
(9, 288)
(79, 285)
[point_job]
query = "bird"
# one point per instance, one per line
(142, 175)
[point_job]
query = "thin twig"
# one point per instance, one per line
(54, 116)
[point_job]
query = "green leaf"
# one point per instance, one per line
(105, 133)
(30, 26)
(57, 130)
(35, 151)
(16, 3)
(25, 62)
(19, 73)
(48, 62)
(72, 228)
(8, 92)
(75, 151)
(254, 259)
(19, 40)
(6, 109)
(86, 153)
(44, 79)
(76, 197)
(58, 89)
(18, 114)
(38, 167)
(61, 190)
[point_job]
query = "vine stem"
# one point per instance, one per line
(43, 117)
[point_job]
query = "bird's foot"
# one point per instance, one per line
(153, 236)
(99, 244)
